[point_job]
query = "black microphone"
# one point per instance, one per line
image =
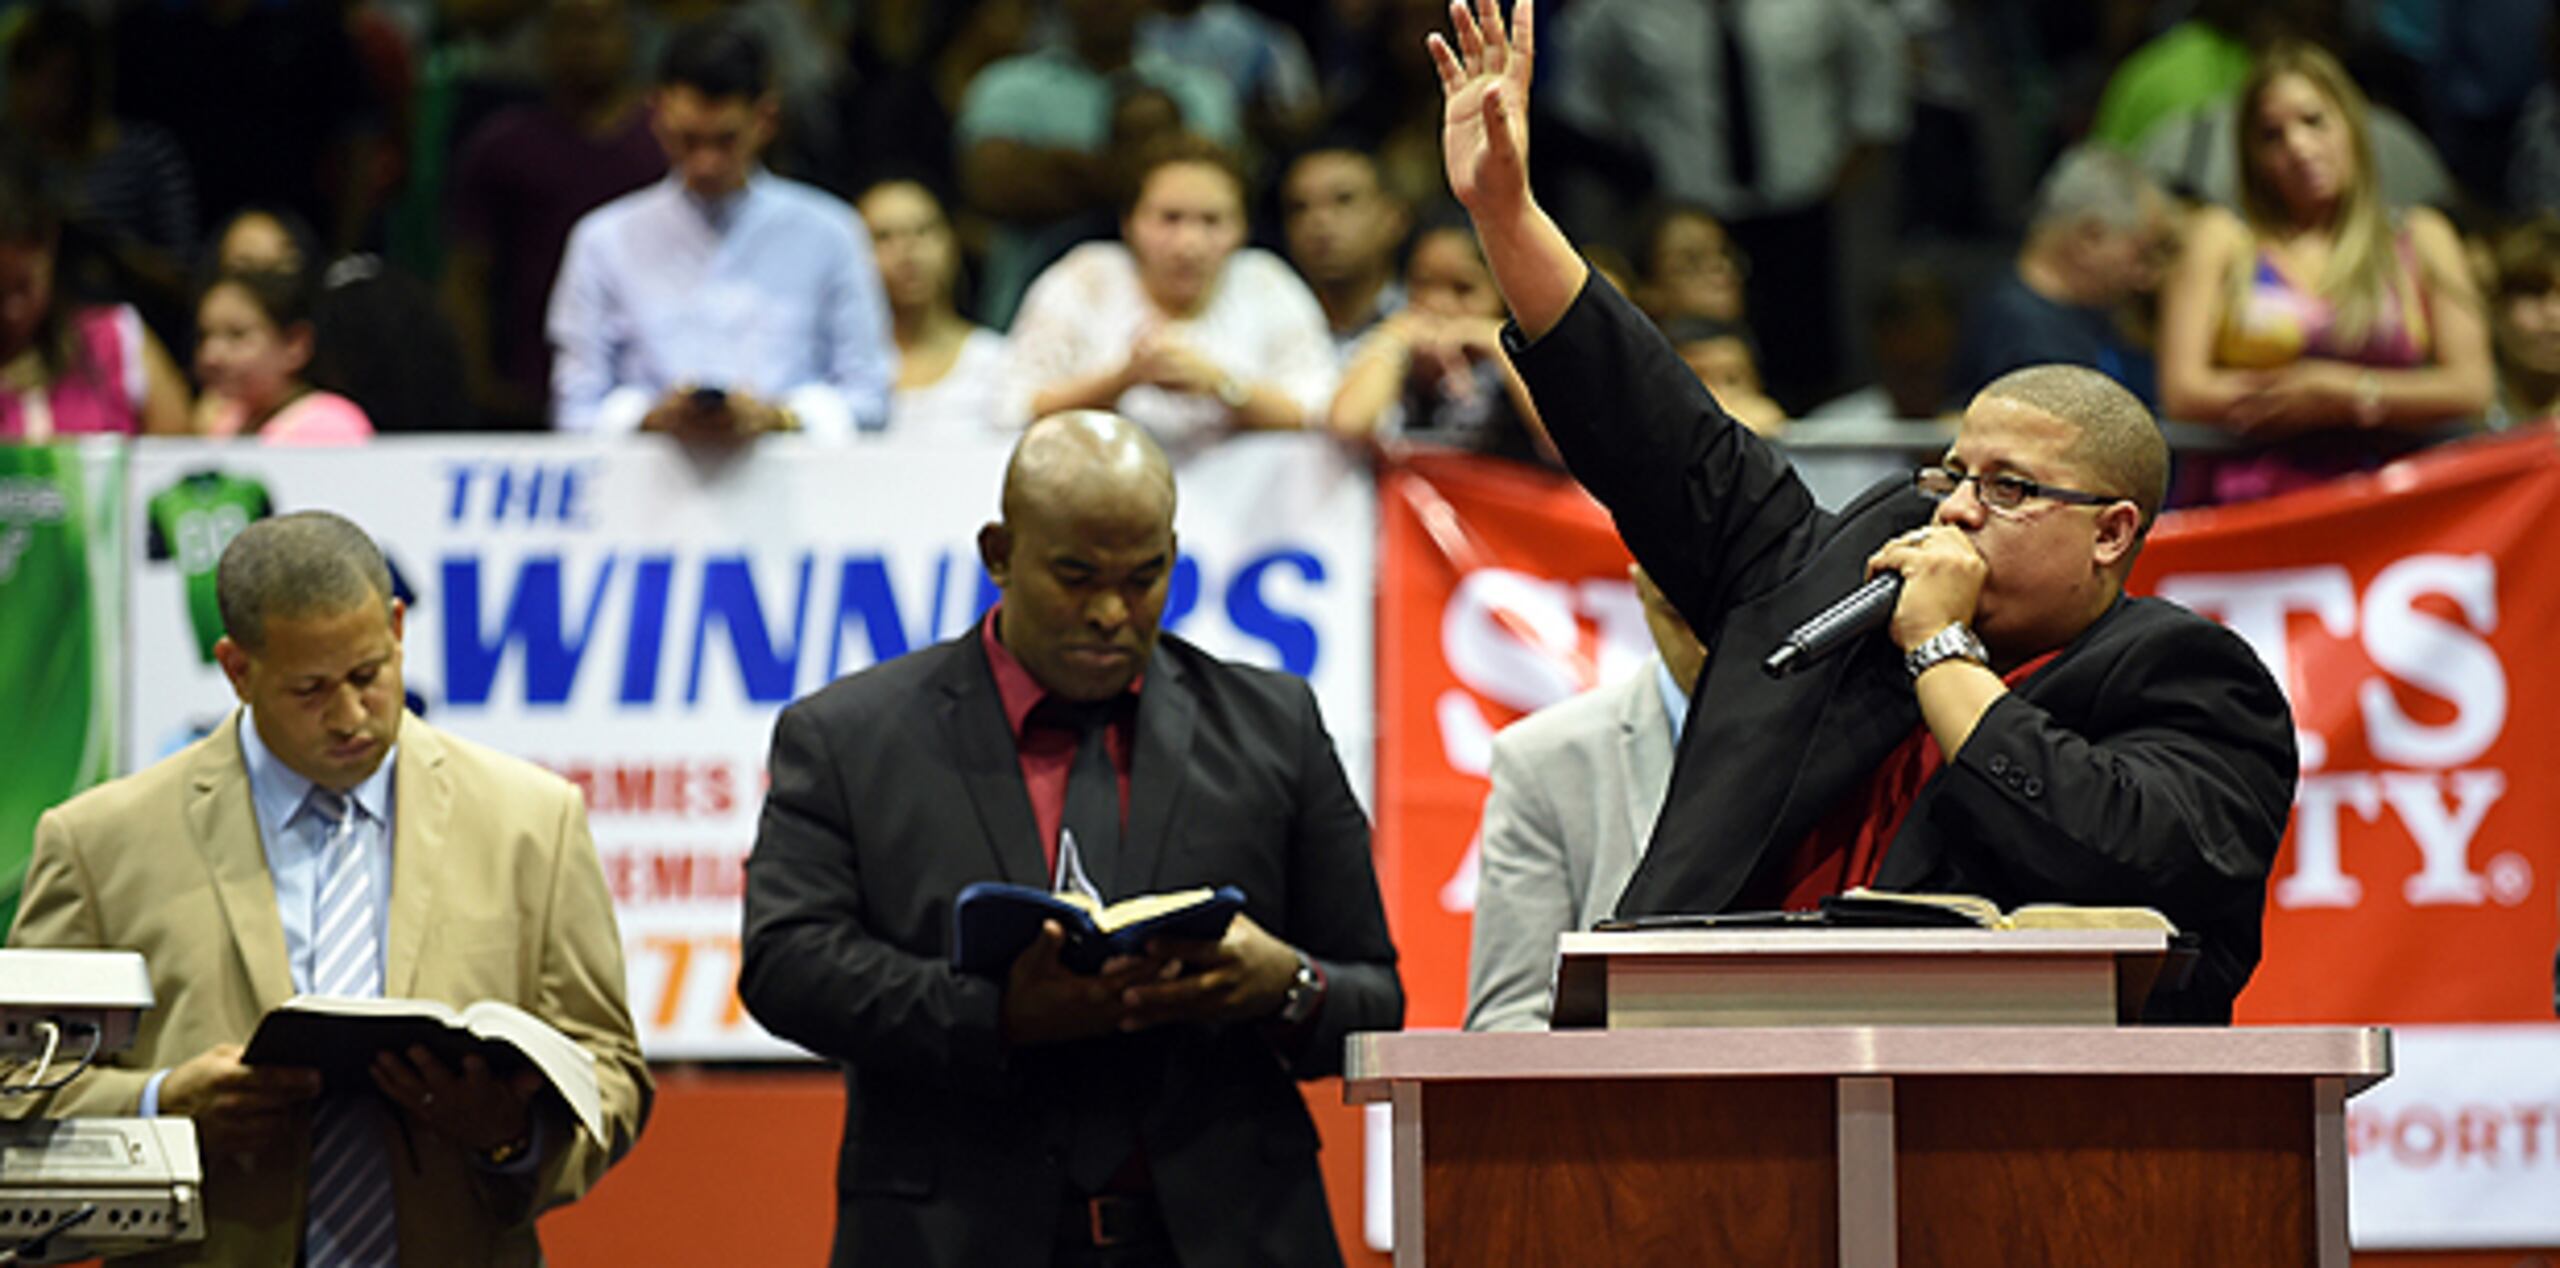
(1864, 609)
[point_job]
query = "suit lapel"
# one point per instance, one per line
(1159, 775)
(223, 820)
(421, 803)
(973, 725)
(1644, 738)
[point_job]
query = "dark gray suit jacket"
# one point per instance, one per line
(2150, 762)
(895, 787)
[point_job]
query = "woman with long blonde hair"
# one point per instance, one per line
(2329, 331)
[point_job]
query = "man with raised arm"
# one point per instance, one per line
(2024, 730)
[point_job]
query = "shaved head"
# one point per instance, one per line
(1083, 456)
(1084, 552)
(2119, 442)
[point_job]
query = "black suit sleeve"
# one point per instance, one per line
(1334, 913)
(2173, 794)
(1713, 512)
(812, 973)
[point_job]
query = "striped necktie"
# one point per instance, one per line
(351, 1221)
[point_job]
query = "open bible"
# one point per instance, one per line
(339, 1037)
(1888, 909)
(1885, 907)
(992, 922)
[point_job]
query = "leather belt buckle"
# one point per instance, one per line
(1111, 1220)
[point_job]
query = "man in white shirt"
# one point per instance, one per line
(723, 302)
(1343, 230)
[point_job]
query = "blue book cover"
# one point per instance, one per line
(992, 922)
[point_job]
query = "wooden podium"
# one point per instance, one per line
(1919, 1144)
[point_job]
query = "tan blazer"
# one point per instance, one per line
(495, 894)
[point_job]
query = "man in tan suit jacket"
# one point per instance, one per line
(494, 893)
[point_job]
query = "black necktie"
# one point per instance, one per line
(1107, 1077)
(1092, 811)
(1741, 124)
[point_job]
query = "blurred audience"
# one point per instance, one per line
(2200, 60)
(2530, 162)
(2329, 330)
(2197, 156)
(1691, 266)
(128, 200)
(1384, 93)
(270, 102)
(68, 369)
(380, 338)
(1141, 115)
(1434, 371)
(2526, 319)
(1275, 81)
(386, 343)
(1723, 356)
(1343, 231)
(524, 179)
(258, 238)
(1034, 132)
(1912, 334)
(723, 302)
(910, 64)
(950, 370)
(1762, 111)
(254, 343)
(1180, 328)
(2099, 235)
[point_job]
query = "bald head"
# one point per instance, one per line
(2119, 442)
(1084, 458)
(1084, 552)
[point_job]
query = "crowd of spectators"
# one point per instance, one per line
(2327, 227)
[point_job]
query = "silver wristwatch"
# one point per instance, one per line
(1305, 991)
(1957, 641)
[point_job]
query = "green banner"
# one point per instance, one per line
(61, 623)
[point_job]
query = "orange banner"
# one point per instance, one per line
(2407, 613)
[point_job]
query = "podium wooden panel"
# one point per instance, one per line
(1867, 1146)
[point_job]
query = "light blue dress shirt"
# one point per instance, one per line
(1675, 702)
(770, 290)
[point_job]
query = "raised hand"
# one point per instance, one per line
(1484, 87)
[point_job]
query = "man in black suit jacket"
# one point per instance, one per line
(2028, 733)
(1142, 1116)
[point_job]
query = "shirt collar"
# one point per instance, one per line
(721, 213)
(277, 790)
(1675, 702)
(1020, 692)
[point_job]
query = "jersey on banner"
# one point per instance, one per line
(188, 524)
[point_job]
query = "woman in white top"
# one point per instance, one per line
(1175, 327)
(950, 369)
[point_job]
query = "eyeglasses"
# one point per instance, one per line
(2000, 491)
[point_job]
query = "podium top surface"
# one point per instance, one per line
(1374, 1063)
(1652, 943)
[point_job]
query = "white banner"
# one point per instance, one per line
(634, 618)
(2461, 1145)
